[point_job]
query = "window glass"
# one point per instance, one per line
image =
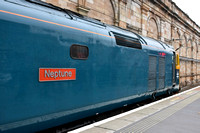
(127, 41)
(79, 52)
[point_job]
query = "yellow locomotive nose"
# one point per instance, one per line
(177, 61)
(178, 67)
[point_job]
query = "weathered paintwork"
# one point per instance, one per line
(33, 37)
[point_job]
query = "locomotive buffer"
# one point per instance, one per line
(178, 113)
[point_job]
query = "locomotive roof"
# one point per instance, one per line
(146, 40)
(121, 31)
(117, 30)
(159, 44)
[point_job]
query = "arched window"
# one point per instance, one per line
(152, 29)
(183, 46)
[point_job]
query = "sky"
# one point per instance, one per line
(191, 8)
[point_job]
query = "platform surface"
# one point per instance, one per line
(179, 113)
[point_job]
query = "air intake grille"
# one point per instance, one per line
(161, 72)
(152, 73)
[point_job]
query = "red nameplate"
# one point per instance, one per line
(56, 74)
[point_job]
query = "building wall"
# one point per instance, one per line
(159, 19)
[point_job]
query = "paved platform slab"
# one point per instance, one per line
(186, 120)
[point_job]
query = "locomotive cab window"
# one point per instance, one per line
(79, 52)
(127, 41)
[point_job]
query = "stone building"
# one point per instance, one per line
(159, 19)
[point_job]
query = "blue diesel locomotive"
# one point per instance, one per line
(57, 66)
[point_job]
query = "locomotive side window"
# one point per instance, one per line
(79, 52)
(127, 41)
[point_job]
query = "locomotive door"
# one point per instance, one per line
(173, 69)
(152, 78)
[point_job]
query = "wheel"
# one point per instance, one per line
(169, 92)
(153, 97)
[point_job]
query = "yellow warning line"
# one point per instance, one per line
(174, 99)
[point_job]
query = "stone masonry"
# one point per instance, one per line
(159, 19)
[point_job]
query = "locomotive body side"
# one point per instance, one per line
(34, 37)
